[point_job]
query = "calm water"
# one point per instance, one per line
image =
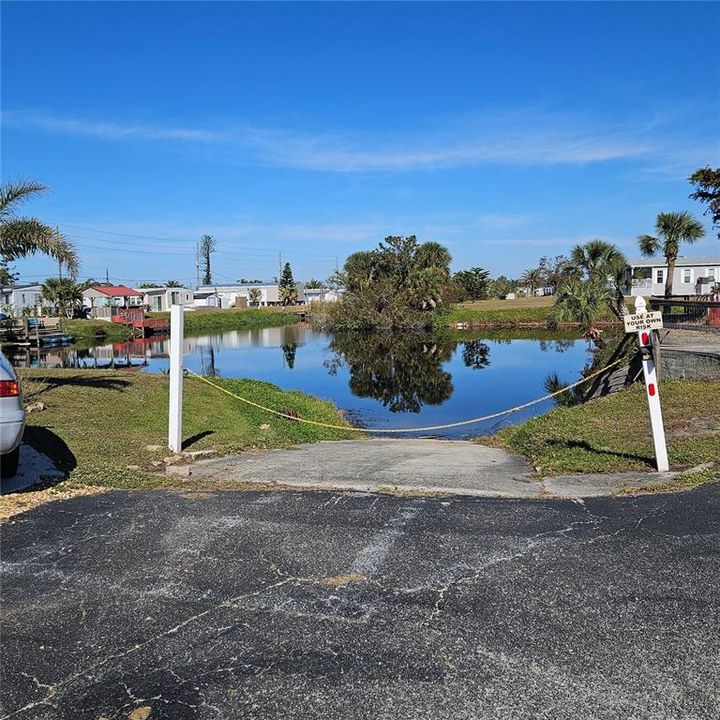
(380, 383)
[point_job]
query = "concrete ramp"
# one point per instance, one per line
(451, 467)
(448, 467)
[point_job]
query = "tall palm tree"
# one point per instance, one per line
(595, 257)
(21, 236)
(532, 279)
(433, 256)
(672, 229)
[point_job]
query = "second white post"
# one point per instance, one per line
(176, 378)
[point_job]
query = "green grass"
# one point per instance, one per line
(87, 331)
(97, 423)
(522, 312)
(199, 321)
(612, 434)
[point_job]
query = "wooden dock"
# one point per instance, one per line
(37, 332)
(141, 324)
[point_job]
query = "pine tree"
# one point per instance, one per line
(288, 289)
(207, 247)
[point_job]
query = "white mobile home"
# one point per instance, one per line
(17, 299)
(161, 298)
(692, 276)
(239, 295)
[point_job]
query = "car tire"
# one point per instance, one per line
(9, 463)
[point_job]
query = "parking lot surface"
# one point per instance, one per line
(325, 605)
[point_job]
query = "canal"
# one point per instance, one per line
(377, 380)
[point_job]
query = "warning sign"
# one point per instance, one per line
(649, 321)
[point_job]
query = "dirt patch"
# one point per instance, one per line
(23, 500)
(196, 494)
(340, 580)
(702, 425)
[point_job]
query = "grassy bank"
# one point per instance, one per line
(212, 320)
(98, 423)
(612, 434)
(530, 312)
(92, 331)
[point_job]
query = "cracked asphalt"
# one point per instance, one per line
(323, 605)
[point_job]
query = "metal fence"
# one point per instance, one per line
(688, 314)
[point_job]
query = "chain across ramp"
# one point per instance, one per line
(426, 428)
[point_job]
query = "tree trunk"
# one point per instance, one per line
(671, 259)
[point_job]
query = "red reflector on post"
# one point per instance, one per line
(651, 389)
(644, 338)
(9, 388)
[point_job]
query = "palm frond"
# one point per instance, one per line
(14, 192)
(27, 236)
(648, 245)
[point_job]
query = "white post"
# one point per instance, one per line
(176, 378)
(652, 391)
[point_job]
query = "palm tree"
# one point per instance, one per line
(532, 279)
(672, 229)
(595, 256)
(21, 236)
(254, 295)
(433, 256)
(582, 302)
(603, 262)
(288, 295)
(64, 294)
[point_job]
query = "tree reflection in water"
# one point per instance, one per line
(289, 351)
(559, 346)
(475, 354)
(402, 372)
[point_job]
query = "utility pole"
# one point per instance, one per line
(197, 265)
(279, 265)
(107, 276)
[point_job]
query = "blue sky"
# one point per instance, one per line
(505, 131)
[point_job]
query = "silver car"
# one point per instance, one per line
(12, 418)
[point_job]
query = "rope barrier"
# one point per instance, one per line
(460, 423)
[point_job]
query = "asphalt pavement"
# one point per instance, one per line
(324, 605)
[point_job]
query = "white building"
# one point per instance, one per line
(239, 295)
(692, 276)
(16, 299)
(205, 298)
(321, 295)
(161, 298)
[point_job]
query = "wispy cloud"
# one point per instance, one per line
(109, 130)
(527, 138)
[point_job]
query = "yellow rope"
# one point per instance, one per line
(404, 430)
